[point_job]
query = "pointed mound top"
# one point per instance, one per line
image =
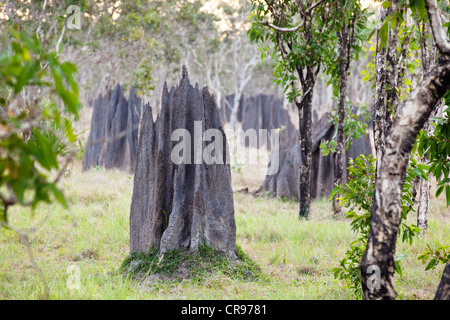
(184, 72)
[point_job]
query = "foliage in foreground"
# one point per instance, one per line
(357, 195)
(36, 134)
(437, 148)
(179, 264)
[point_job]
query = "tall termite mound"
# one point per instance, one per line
(187, 204)
(285, 183)
(258, 112)
(114, 128)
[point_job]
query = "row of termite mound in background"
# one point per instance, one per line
(115, 123)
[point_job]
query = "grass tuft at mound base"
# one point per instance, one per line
(179, 264)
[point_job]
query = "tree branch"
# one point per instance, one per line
(292, 29)
(439, 35)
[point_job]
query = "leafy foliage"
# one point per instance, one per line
(34, 133)
(437, 147)
(307, 47)
(312, 45)
(410, 41)
(353, 129)
(437, 254)
(357, 195)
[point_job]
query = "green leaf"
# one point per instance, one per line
(439, 191)
(398, 268)
(420, 5)
(447, 194)
(431, 264)
(334, 192)
(386, 4)
(69, 130)
(384, 33)
(3, 217)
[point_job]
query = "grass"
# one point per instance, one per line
(178, 265)
(291, 258)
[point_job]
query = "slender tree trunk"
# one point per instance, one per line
(234, 111)
(305, 122)
(379, 107)
(339, 164)
(428, 58)
(424, 185)
(422, 211)
(392, 72)
(386, 211)
(221, 107)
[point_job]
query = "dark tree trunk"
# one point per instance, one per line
(305, 121)
(443, 290)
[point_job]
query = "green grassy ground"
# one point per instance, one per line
(93, 237)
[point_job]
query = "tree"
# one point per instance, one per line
(243, 66)
(229, 58)
(428, 58)
(411, 115)
(352, 19)
(244, 57)
(302, 48)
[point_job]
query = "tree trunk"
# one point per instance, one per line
(305, 121)
(392, 71)
(422, 211)
(220, 106)
(386, 211)
(379, 107)
(428, 58)
(443, 290)
(234, 111)
(339, 164)
(424, 185)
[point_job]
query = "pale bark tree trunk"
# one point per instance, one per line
(379, 106)
(219, 101)
(428, 58)
(386, 210)
(387, 75)
(391, 73)
(424, 185)
(424, 188)
(410, 118)
(235, 109)
(243, 76)
(422, 211)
